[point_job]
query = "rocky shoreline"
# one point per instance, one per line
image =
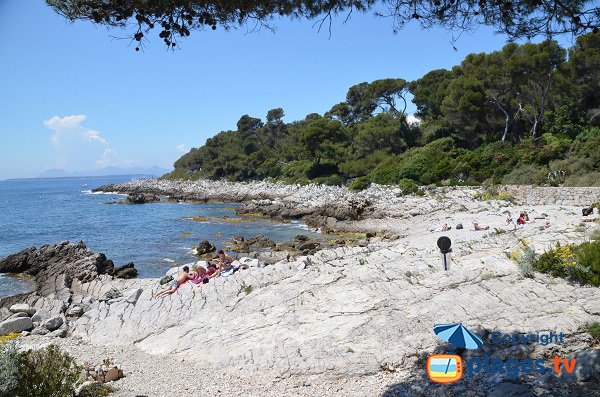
(353, 321)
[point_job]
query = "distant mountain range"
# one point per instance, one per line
(106, 171)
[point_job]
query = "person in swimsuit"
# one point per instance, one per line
(179, 279)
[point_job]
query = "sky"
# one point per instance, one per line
(77, 96)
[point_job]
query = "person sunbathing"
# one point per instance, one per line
(179, 279)
(221, 263)
(479, 228)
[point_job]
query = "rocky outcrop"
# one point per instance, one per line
(141, 198)
(55, 269)
(205, 247)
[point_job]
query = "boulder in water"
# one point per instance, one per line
(205, 247)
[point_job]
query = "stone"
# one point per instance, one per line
(59, 333)
(39, 331)
(301, 237)
(52, 323)
(127, 271)
(134, 296)
(75, 311)
(111, 375)
(25, 333)
(307, 246)
(111, 294)
(205, 247)
(141, 198)
(19, 315)
(40, 315)
(22, 308)
(15, 325)
(508, 389)
(587, 368)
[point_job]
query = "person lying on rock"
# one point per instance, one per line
(179, 279)
(478, 227)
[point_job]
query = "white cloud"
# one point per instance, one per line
(413, 120)
(181, 148)
(92, 135)
(61, 124)
(70, 126)
(107, 158)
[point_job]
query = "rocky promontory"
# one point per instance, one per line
(57, 270)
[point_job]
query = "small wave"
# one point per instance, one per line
(113, 193)
(168, 260)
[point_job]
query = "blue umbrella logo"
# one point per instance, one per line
(458, 335)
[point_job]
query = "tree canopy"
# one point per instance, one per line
(516, 115)
(175, 19)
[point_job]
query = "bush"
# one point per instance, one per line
(428, 164)
(529, 174)
(578, 263)
(589, 179)
(525, 257)
(594, 331)
(408, 186)
(492, 193)
(360, 183)
(588, 257)
(47, 372)
(9, 369)
(332, 180)
(96, 390)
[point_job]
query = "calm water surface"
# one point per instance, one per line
(34, 212)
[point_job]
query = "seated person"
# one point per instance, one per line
(179, 279)
(521, 220)
(478, 227)
(221, 263)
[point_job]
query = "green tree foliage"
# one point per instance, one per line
(46, 372)
(176, 19)
(510, 116)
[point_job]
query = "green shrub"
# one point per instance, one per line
(578, 263)
(96, 390)
(594, 331)
(428, 164)
(9, 369)
(525, 256)
(332, 180)
(408, 186)
(360, 183)
(47, 372)
(588, 258)
(529, 174)
(588, 179)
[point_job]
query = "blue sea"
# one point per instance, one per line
(34, 212)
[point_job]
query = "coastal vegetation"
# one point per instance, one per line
(526, 114)
(579, 263)
(46, 372)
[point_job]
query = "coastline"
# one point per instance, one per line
(340, 321)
